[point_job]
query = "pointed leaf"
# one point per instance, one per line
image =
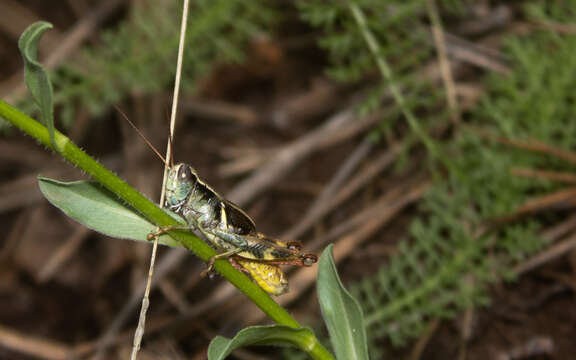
(280, 335)
(341, 312)
(99, 209)
(36, 77)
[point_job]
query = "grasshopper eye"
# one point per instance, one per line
(185, 174)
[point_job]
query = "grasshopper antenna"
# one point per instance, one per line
(142, 136)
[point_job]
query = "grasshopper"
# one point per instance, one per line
(227, 228)
(225, 225)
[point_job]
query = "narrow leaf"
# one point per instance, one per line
(280, 335)
(98, 209)
(36, 77)
(341, 312)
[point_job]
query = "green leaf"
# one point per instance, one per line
(98, 209)
(36, 77)
(76, 156)
(280, 335)
(342, 313)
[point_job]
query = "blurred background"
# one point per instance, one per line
(430, 140)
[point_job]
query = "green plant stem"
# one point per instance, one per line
(386, 73)
(66, 148)
(310, 344)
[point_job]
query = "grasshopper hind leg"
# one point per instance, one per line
(234, 261)
(224, 255)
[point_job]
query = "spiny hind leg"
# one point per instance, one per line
(234, 261)
(230, 239)
(224, 255)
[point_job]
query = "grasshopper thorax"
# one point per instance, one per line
(180, 183)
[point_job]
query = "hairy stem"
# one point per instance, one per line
(67, 149)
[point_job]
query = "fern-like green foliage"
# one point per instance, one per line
(139, 56)
(397, 25)
(445, 268)
(403, 35)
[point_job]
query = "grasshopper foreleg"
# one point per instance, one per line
(161, 231)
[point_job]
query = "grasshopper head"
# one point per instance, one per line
(179, 185)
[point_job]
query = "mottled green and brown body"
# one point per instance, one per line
(227, 228)
(205, 210)
(230, 230)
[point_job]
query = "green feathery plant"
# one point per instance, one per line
(114, 208)
(401, 31)
(451, 261)
(137, 56)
